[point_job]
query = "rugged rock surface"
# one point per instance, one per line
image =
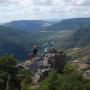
(52, 60)
(42, 65)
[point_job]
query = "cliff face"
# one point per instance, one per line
(54, 60)
(51, 61)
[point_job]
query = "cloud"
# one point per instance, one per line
(42, 2)
(43, 9)
(46, 2)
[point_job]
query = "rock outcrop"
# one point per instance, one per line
(52, 60)
(42, 65)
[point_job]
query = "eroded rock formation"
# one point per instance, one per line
(52, 60)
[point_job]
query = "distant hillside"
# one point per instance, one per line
(70, 24)
(19, 42)
(29, 25)
(81, 37)
(14, 42)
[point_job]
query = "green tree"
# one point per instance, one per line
(26, 79)
(49, 82)
(71, 79)
(8, 72)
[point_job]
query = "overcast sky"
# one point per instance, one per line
(43, 9)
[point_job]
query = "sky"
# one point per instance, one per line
(11, 10)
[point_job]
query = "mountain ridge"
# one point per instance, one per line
(70, 24)
(29, 25)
